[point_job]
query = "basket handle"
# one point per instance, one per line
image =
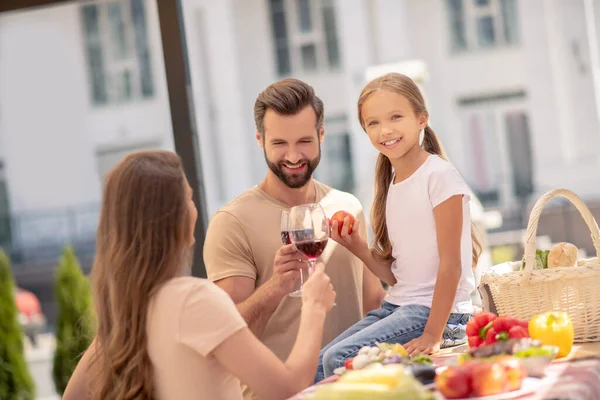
(534, 219)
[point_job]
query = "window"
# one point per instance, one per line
(482, 156)
(498, 150)
(117, 50)
(304, 35)
(481, 24)
(335, 168)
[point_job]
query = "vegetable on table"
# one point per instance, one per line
(487, 328)
(553, 329)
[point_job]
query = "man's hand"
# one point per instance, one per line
(286, 269)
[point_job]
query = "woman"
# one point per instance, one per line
(161, 333)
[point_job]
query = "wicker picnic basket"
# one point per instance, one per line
(527, 292)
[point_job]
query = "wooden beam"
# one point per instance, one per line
(14, 5)
(182, 114)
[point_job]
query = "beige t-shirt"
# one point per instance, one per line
(242, 239)
(187, 319)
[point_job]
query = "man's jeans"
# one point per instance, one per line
(389, 324)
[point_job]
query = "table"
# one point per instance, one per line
(576, 377)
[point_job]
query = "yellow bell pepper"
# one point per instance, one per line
(553, 329)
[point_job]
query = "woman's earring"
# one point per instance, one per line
(421, 136)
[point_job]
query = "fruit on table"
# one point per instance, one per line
(515, 372)
(481, 377)
(553, 329)
(369, 391)
(389, 349)
(534, 357)
(375, 382)
(389, 375)
(562, 255)
(339, 217)
(454, 383)
(353, 391)
(489, 378)
(384, 353)
(361, 361)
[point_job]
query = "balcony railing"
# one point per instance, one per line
(36, 237)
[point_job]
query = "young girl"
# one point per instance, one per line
(163, 334)
(423, 245)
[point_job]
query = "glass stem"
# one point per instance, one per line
(313, 264)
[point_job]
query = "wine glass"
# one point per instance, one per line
(285, 231)
(309, 232)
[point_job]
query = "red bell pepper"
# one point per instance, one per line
(487, 328)
(517, 332)
(504, 323)
(478, 327)
(491, 336)
(504, 328)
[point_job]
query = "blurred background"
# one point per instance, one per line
(512, 87)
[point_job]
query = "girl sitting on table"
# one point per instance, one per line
(424, 247)
(161, 333)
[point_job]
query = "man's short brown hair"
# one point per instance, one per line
(287, 97)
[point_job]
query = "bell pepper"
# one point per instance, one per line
(509, 328)
(491, 336)
(518, 332)
(478, 327)
(487, 328)
(553, 329)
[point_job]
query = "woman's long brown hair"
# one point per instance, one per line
(404, 86)
(143, 240)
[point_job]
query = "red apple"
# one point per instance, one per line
(454, 383)
(515, 372)
(339, 217)
(489, 378)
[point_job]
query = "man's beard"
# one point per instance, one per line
(294, 181)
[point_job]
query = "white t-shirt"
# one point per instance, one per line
(412, 232)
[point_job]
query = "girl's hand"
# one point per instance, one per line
(353, 241)
(424, 344)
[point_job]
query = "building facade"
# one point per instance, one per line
(511, 86)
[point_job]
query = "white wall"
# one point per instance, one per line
(45, 106)
(49, 157)
(559, 95)
(142, 120)
(52, 133)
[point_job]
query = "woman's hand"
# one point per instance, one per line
(317, 291)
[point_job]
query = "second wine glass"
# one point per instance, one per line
(309, 232)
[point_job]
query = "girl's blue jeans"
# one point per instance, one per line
(389, 324)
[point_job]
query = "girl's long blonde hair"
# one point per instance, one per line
(143, 240)
(404, 86)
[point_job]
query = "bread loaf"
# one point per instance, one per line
(562, 255)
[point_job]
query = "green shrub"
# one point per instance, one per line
(15, 379)
(74, 326)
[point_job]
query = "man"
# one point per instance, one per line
(243, 250)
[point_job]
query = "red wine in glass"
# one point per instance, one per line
(308, 230)
(312, 249)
